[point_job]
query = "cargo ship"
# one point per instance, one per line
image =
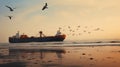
(42, 38)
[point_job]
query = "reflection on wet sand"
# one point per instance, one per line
(88, 56)
(30, 57)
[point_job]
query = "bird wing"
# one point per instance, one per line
(9, 8)
(45, 4)
(9, 17)
(43, 8)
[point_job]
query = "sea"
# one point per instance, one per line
(60, 54)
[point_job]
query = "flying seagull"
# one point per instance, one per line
(11, 9)
(78, 26)
(96, 29)
(69, 27)
(10, 17)
(60, 28)
(45, 6)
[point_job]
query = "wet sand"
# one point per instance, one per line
(80, 56)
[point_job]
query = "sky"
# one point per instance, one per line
(28, 18)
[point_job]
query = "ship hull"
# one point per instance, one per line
(37, 39)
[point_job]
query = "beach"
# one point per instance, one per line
(60, 54)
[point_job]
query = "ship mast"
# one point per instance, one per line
(40, 33)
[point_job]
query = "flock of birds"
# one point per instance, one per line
(12, 9)
(79, 30)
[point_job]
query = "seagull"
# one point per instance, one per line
(10, 17)
(69, 27)
(79, 26)
(60, 28)
(73, 34)
(84, 31)
(73, 31)
(89, 32)
(70, 30)
(11, 9)
(96, 29)
(79, 33)
(45, 6)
